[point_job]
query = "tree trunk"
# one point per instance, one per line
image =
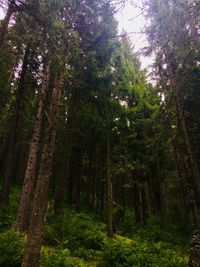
(92, 177)
(145, 204)
(77, 178)
(5, 22)
(181, 118)
(182, 181)
(29, 178)
(11, 150)
(138, 203)
(194, 260)
(109, 180)
(34, 240)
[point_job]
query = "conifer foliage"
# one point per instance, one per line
(82, 129)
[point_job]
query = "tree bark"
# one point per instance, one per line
(183, 182)
(34, 240)
(138, 203)
(11, 149)
(194, 260)
(29, 177)
(109, 180)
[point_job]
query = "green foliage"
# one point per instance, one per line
(81, 231)
(85, 237)
(11, 248)
(51, 235)
(87, 254)
(59, 258)
(120, 253)
(6, 219)
(8, 216)
(127, 225)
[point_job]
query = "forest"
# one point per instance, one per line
(99, 164)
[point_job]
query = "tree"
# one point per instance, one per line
(175, 52)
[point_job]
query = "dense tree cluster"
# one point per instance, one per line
(80, 124)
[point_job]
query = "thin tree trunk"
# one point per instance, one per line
(77, 178)
(162, 202)
(109, 180)
(11, 150)
(34, 240)
(92, 177)
(70, 179)
(97, 182)
(59, 182)
(102, 204)
(145, 204)
(182, 181)
(138, 203)
(5, 22)
(29, 177)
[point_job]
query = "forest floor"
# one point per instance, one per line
(79, 240)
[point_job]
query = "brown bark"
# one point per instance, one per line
(92, 177)
(145, 204)
(183, 182)
(77, 178)
(138, 203)
(102, 204)
(5, 22)
(34, 240)
(97, 183)
(109, 181)
(74, 178)
(194, 260)
(29, 177)
(11, 149)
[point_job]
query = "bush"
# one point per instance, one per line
(11, 248)
(83, 232)
(6, 220)
(87, 254)
(117, 253)
(59, 258)
(127, 225)
(51, 236)
(8, 215)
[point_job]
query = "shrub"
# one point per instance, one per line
(87, 254)
(116, 254)
(8, 215)
(59, 258)
(11, 248)
(140, 254)
(127, 225)
(83, 232)
(50, 236)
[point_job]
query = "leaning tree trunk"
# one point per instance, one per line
(5, 22)
(34, 240)
(29, 178)
(11, 149)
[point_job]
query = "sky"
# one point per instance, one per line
(132, 20)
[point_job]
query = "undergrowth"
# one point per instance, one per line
(79, 239)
